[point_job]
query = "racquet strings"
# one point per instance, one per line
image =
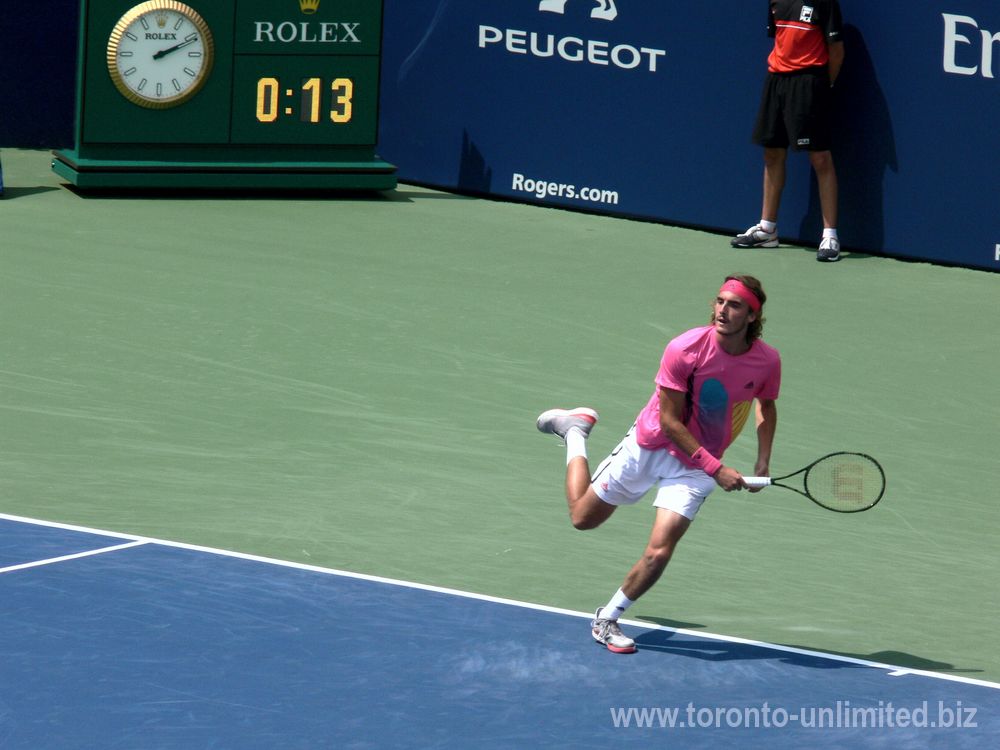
(845, 482)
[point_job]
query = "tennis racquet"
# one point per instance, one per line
(842, 482)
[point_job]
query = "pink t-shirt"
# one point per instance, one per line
(720, 387)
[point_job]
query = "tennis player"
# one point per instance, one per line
(708, 379)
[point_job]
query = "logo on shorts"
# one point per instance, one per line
(802, 142)
(807, 14)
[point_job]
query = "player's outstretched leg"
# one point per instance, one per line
(586, 509)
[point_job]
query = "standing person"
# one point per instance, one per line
(795, 111)
(707, 380)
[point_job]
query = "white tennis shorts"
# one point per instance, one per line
(630, 472)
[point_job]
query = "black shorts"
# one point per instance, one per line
(795, 111)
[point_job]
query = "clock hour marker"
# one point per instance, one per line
(131, 36)
(142, 84)
(159, 89)
(190, 72)
(194, 54)
(145, 23)
(180, 22)
(177, 86)
(125, 53)
(128, 72)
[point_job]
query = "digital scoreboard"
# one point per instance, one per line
(228, 93)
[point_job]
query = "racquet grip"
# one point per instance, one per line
(755, 482)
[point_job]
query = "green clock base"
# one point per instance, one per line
(298, 175)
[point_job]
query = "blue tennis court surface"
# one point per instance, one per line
(112, 641)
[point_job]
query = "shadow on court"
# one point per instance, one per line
(331, 195)
(679, 644)
(10, 193)
(239, 194)
(666, 622)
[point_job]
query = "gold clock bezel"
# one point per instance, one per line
(127, 20)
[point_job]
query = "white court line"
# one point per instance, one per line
(893, 670)
(75, 556)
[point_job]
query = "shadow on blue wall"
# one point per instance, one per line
(474, 175)
(864, 147)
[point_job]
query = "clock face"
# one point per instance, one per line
(160, 54)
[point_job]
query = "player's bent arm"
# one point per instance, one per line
(672, 407)
(767, 424)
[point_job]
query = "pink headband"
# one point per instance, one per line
(743, 292)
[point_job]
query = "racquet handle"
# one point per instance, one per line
(755, 482)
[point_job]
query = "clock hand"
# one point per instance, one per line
(165, 52)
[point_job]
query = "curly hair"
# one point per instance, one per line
(756, 328)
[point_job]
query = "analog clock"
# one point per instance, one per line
(160, 54)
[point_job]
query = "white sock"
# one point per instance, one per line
(768, 226)
(616, 607)
(576, 444)
(831, 232)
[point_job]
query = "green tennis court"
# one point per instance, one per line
(352, 381)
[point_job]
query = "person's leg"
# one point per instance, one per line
(774, 182)
(769, 132)
(826, 179)
(668, 528)
(586, 509)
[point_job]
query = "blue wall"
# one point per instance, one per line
(656, 113)
(916, 148)
(38, 49)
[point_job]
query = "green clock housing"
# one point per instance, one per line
(228, 93)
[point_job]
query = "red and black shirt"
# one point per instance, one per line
(801, 32)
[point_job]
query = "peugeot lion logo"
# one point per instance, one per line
(571, 48)
(605, 10)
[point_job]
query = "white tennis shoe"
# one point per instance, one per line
(560, 421)
(608, 633)
(829, 250)
(755, 236)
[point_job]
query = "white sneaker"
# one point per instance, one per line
(829, 250)
(561, 421)
(755, 236)
(608, 633)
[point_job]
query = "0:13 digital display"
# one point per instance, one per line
(307, 100)
(318, 100)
